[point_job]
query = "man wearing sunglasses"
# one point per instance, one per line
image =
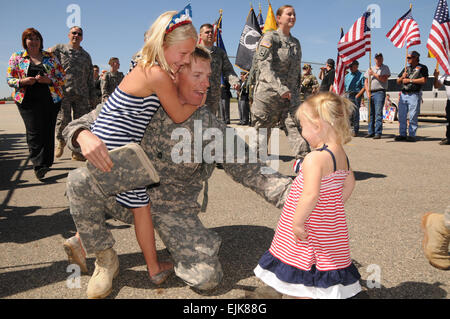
(79, 91)
(412, 78)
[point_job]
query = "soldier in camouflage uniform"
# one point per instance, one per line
(111, 79)
(220, 66)
(79, 91)
(97, 86)
(309, 85)
(174, 205)
(276, 92)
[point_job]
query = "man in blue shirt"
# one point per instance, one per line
(354, 88)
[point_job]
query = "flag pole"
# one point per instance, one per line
(406, 57)
(369, 84)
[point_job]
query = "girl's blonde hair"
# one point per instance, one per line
(331, 108)
(156, 38)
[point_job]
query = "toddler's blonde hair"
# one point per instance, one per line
(156, 38)
(331, 108)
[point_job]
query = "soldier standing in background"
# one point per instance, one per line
(243, 100)
(111, 79)
(309, 84)
(79, 92)
(225, 96)
(97, 86)
(220, 66)
(276, 92)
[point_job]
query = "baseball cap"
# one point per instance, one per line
(378, 54)
(415, 53)
(330, 62)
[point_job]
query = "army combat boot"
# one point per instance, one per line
(436, 240)
(106, 269)
(75, 253)
(60, 148)
(78, 157)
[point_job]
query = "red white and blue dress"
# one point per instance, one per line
(319, 267)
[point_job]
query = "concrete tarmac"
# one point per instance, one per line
(397, 182)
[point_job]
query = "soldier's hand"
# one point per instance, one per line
(94, 150)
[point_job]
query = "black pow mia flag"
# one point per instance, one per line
(248, 42)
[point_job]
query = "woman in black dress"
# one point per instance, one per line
(37, 78)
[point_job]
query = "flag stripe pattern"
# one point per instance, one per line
(352, 46)
(438, 41)
(338, 85)
(328, 241)
(406, 30)
(357, 41)
(260, 21)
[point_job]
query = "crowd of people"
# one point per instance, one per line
(175, 82)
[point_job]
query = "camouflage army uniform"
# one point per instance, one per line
(278, 58)
(97, 92)
(110, 82)
(308, 86)
(220, 64)
(174, 205)
(79, 90)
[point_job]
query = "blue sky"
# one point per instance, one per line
(116, 28)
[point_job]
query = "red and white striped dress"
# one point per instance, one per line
(321, 266)
(327, 246)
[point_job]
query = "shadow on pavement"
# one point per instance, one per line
(241, 249)
(406, 290)
(360, 176)
(17, 227)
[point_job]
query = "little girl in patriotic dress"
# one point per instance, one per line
(310, 256)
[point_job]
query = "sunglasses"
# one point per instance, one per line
(77, 33)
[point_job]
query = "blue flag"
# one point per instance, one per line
(260, 21)
(218, 37)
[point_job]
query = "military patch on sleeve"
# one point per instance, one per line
(266, 43)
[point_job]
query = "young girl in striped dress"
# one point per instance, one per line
(128, 111)
(309, 256)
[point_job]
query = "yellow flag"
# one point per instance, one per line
(430, 55)
(271, 23)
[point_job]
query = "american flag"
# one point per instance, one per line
(338, 85)
(406, 30)
(356, 42)
(260, 20)
(352, 46)
(438, 42)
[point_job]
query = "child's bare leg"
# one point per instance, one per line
(79, 240)
(145, 234)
